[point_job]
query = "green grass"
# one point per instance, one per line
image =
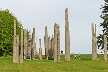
(85, 64)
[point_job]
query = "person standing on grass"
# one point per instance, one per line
(75, 56)
(61, 52)
(79, 55)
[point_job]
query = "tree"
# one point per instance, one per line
(104, 25)
(7, 31)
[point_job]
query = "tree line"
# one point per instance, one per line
(7, 31)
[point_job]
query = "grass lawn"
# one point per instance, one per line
(85, 64)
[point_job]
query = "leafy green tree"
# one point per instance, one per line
(7, 31)
(104, 25)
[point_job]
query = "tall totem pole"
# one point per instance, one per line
(67, 37)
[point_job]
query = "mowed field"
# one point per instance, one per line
(85, 64)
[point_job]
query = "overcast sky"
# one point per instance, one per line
(41, 13)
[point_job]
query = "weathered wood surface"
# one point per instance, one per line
(105, 47)
(14, 43)
(58, 43)
(67, 37)
(21, 49)
(25, 43)
(40, 50)
(46, 42)
(17, 49)
(94, 42)
(55, 42)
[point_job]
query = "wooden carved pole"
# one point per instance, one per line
(58, 43)
(68, 44)
(35, 50)
(94, 43)
(55, 42)
(25, 43)
(34, 42)
(44, 46)
(29, 48)
(67, 41)
(21, 49)
(51, 44)
(49, 48)
(17, 49)
(40, 50)
(46, 42)
(14, 43)
(36, 45)
(105, 47)
(32, 49)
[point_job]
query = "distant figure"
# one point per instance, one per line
(61, 52)
(75, 56)
(79, 55)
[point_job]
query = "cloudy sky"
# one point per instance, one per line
(41, 13)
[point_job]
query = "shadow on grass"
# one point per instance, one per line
(48, 58)
(51, 59)
(86, 59)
